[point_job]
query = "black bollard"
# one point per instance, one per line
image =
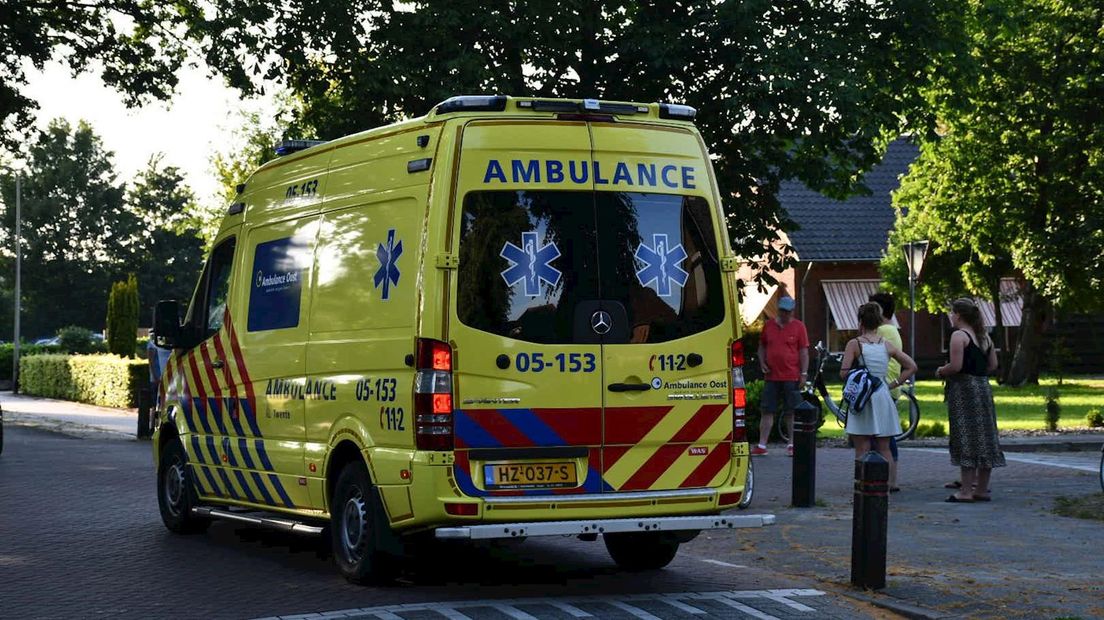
(804, 462)
(144, 413)
(869, 526)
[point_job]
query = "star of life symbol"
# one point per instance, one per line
(388, 272)
(661, 265)
(529, 264)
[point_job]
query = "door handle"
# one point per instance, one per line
(217, 364)
(629, 387)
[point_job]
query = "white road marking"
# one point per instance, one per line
(755, 613)
(571, 610)
(513, 612)
(1034, 460)
(636, 611)
(720, 563)
(690, 609)
(568, 604)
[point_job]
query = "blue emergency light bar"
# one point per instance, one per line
(287, 147)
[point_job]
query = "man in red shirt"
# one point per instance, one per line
(784, 359)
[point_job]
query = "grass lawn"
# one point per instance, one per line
(1023, 408)
(1017, 408)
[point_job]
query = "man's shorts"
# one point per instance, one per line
(780, 393)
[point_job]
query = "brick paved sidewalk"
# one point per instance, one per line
(69, 418)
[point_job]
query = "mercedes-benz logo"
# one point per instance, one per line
(601, 322)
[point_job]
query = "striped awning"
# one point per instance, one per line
(1011, 305)
(845, 297)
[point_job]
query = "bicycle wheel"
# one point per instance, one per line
(908, 410)
(784, 429)
(1102, 470)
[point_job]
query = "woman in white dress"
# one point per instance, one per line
(878, 421)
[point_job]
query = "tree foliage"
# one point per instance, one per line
(1015, 184)
(136, 46)
(807, 90)
(168, 252)
(122, 317)
(81, 229)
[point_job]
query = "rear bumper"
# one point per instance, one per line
(603, 526)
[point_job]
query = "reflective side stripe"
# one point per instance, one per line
(261, 454)
(214, 451)
(262, 488)
(197, 450)
(214, 405)
(245, 486)
(229, 452)
(250, 416)
(196, 482)
(211, 481)
(232, 408)
(243, 448)
(280, 490)
(226, 481)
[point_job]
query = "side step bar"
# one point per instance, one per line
(283, 525)
(603, 526)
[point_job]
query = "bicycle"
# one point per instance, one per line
(816, 393)
(1102, 469)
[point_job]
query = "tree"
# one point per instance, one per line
(807, 90)
(167, 251)
(1016, 181)
(122, 317)
(136, 45)
(74, 225)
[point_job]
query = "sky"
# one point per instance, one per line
(188, 129)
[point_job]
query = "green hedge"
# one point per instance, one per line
(106, 380)
(6, 355)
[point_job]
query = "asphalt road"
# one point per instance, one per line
(80, 538)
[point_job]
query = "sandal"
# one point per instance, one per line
(954, 499)
(982, 498)
(957, 484)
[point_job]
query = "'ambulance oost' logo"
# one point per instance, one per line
(661, 265)
(388, 272)
(529, 264)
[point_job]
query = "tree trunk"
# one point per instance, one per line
(1025, 363)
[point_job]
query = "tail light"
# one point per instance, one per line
(433, 395)
(739, 393)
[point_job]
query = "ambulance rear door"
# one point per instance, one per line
(527, 376)
(668, 421)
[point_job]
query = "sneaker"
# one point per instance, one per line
(757, 451)
(789, 450)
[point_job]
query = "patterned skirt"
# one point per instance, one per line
(973, 419)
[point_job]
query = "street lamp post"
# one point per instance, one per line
(915, 252)
(18, 275)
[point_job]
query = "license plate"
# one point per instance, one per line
(529, 475)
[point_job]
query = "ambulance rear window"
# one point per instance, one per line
(530, 260)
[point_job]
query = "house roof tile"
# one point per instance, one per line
(853, 229)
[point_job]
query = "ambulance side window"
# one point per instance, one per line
(218, 288)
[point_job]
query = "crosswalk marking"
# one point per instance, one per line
(743, 601)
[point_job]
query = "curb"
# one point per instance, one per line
(908, 610)
(1078, 444)
(69, 429)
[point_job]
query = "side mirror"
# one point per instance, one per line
(166, 323)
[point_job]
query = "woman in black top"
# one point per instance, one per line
(975, 447)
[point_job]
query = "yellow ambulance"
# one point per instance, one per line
(511, 317)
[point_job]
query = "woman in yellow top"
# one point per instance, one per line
(892, 335)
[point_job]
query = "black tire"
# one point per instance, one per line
(176, 495)
(354, 520)
(749, 486)
(780, 420)
(639, 551)
(1102, 470)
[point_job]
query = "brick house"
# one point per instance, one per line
(839, 245)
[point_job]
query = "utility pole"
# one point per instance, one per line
(18, 276)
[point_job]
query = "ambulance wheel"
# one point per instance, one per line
(354, 519)
(176, 494)
(642, 550)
